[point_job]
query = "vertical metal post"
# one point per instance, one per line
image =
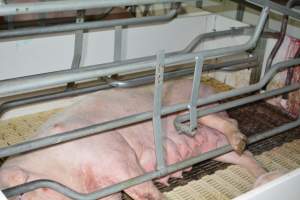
(77, 45)
(195, 93)
(240, 10)
(258, 73)
(199, 4)
(118, 44)
(157, 124)
(9, 18)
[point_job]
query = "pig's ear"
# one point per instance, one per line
(12, 176)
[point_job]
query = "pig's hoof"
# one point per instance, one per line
(268, 177)
(238, 142)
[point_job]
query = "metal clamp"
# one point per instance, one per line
(191, 129)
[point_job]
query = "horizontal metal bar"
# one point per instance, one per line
(87, 25)
(136, 118)
(277, 7)
(58, 6)
(29, 83)
(48, 97)
(233, 65)
(27, 187)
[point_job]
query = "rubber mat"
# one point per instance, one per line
(235, 180)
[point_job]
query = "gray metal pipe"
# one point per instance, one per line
(58, 6)
(226, 66)
(87, 25)
(136, 118)
(19, 85)
(48, 97)
(27, 187)
(276, 7)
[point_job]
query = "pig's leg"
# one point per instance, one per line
(245, 160)
(229, 128)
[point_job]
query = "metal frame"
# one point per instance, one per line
(29, 83)
(100, 128)
(63, 5)
(226, 66)
(15, 86)
(87, 25)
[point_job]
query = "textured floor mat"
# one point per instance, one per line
(235, 180)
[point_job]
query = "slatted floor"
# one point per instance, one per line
(234, 180)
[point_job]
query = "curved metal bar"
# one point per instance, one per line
(87, 25)
(136, 118)
(29, 83)
(284, 24)
(27, 187)
(198, 39)
(277, 7)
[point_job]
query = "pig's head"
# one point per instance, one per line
(13, 176)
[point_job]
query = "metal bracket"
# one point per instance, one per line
(191, 129)
(157, 124)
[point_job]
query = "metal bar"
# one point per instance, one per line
(58, 6)
(78, 43)
(118, 44)
(284, 24)
(197, 40)
(195, 94)
(27, 187)
(199, 4)
(277, 7)
(227, 66)
(48, 97)
(240, 10)
(87, 25)
(157, 124)
(23, 84)
(136, 118)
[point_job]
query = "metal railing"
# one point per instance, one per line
(159, 63)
